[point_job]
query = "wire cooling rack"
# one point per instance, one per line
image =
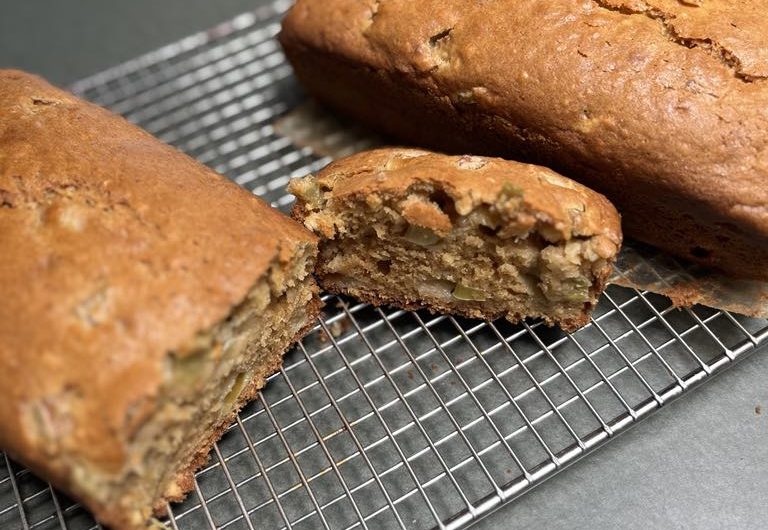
(383, 418)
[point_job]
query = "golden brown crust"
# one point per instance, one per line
(659, 104)
(117, 249)
(573, 209)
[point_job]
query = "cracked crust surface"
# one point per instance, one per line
(662, 105)
(117, 251)
(406, 227)
(470, 181)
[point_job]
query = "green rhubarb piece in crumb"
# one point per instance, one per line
(468, 294)
(509, 191)
(577, 291)
(235, 391)
(188, 370)
(424, 237)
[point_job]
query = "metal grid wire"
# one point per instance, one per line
(383, 418)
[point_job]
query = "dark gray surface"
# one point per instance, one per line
(700, 463)
(66, 40)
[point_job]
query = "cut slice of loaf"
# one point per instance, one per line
(479, 237)
(144, 300)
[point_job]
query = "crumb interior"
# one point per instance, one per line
(206, 384)
(493, 262)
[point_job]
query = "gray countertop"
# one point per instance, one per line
(701, 462)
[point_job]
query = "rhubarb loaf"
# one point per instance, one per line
(479, 237)
(144, 300)
(662, 105)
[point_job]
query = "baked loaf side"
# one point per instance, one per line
(145, 299)
(661, 105)
(479, 237)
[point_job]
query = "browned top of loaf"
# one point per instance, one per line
(574, 71)
(116, 249)
(570, 208)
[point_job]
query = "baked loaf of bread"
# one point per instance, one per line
(144, 300)
(479, 237)
(662, 105)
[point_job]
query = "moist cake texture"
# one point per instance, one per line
(473, 236)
